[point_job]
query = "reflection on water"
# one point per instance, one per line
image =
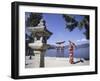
(60, 53)
(78, 53)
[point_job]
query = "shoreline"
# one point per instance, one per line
(54, 62)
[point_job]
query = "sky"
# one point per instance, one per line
(56, 24)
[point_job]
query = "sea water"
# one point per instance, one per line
(78, 53)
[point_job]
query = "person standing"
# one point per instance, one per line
(71, 52)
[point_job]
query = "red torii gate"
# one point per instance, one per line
(60, 45)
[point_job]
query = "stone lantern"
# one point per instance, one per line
(40, 35)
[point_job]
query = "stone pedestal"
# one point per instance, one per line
(37, 60)
(42, 60)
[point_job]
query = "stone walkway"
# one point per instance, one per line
(54, 62)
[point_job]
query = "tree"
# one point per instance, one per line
(33, 19)
(72, 23)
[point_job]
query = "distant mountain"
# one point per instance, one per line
(78, 46)
(51, 46)
(83, 45)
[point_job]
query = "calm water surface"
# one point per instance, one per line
(78, 53)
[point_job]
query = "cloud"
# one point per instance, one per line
(82, 40)
(78, 40)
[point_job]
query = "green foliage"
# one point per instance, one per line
(33, 20)
(72, 23)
